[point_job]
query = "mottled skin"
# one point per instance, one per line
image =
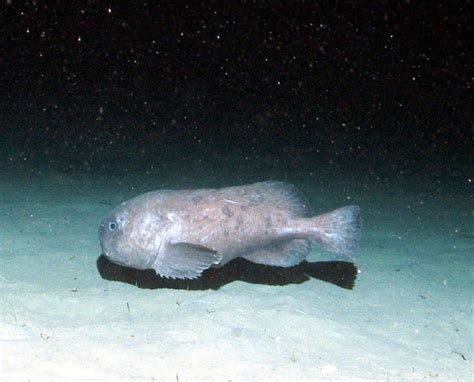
(181, 233)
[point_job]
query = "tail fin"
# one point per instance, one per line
(339, 231)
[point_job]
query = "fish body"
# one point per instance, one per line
(180, 233)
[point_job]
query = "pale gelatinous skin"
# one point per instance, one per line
(181, 233)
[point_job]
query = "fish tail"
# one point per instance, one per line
(338, 231)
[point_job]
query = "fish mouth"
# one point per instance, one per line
(105, 252)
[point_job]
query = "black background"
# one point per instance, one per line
(374, 86)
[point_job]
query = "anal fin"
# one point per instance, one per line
(283, 254)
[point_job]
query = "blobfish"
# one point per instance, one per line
(181, 233)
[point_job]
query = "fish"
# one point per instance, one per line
(181, 233)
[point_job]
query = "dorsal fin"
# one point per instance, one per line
(281, 195)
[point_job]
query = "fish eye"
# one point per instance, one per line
(113, 226)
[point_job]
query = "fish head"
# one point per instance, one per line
(131, 235)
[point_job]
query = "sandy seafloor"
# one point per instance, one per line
(408, 318)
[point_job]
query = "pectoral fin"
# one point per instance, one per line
(185, 261)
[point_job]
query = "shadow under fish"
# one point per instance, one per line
(340, 273)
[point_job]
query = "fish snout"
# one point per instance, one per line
(102, 237)
(101, 231)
